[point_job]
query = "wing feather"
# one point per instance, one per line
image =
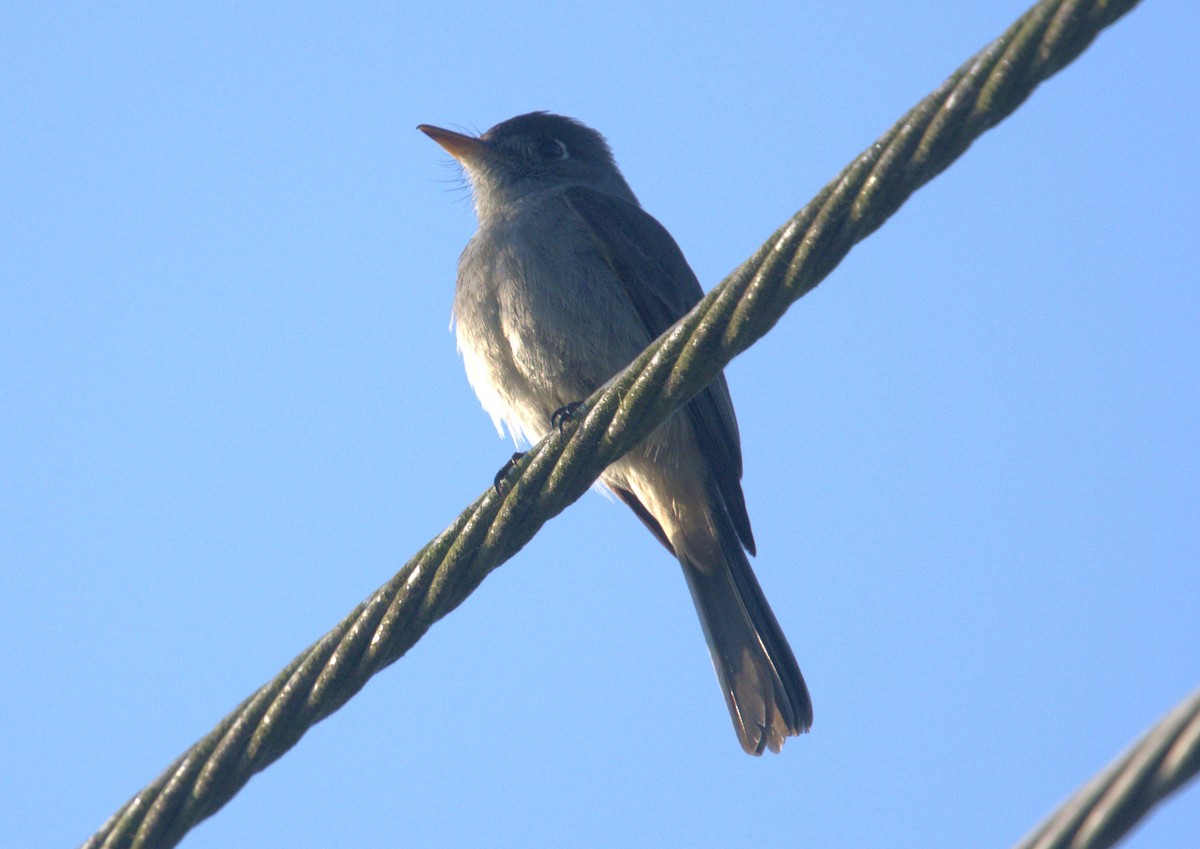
(662, 288)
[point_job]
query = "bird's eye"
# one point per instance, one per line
(551, 149)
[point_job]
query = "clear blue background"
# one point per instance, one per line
(230, 408)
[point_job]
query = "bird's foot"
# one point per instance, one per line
(501, 478)
(564, 414)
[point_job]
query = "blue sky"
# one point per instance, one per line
(232, 408)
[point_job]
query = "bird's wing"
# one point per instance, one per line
(662, 288)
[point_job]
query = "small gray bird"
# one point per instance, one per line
(566, 281)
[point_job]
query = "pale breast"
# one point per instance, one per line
(540, 317)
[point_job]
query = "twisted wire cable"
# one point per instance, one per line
(1112, 803)
(560, 469)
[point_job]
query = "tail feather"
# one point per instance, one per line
(763, 687)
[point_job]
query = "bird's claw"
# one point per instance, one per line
(502, 476)
(564, 414)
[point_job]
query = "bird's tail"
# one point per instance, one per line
(766, 694)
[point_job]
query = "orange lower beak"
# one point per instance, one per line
(461, 147)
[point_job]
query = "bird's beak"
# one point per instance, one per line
(461, 147)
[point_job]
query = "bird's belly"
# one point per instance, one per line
(535, 336)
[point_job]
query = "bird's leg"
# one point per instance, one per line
(563, 415)
(501, 476)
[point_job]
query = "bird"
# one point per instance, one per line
(565, 282)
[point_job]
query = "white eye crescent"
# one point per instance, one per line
(551, 148)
